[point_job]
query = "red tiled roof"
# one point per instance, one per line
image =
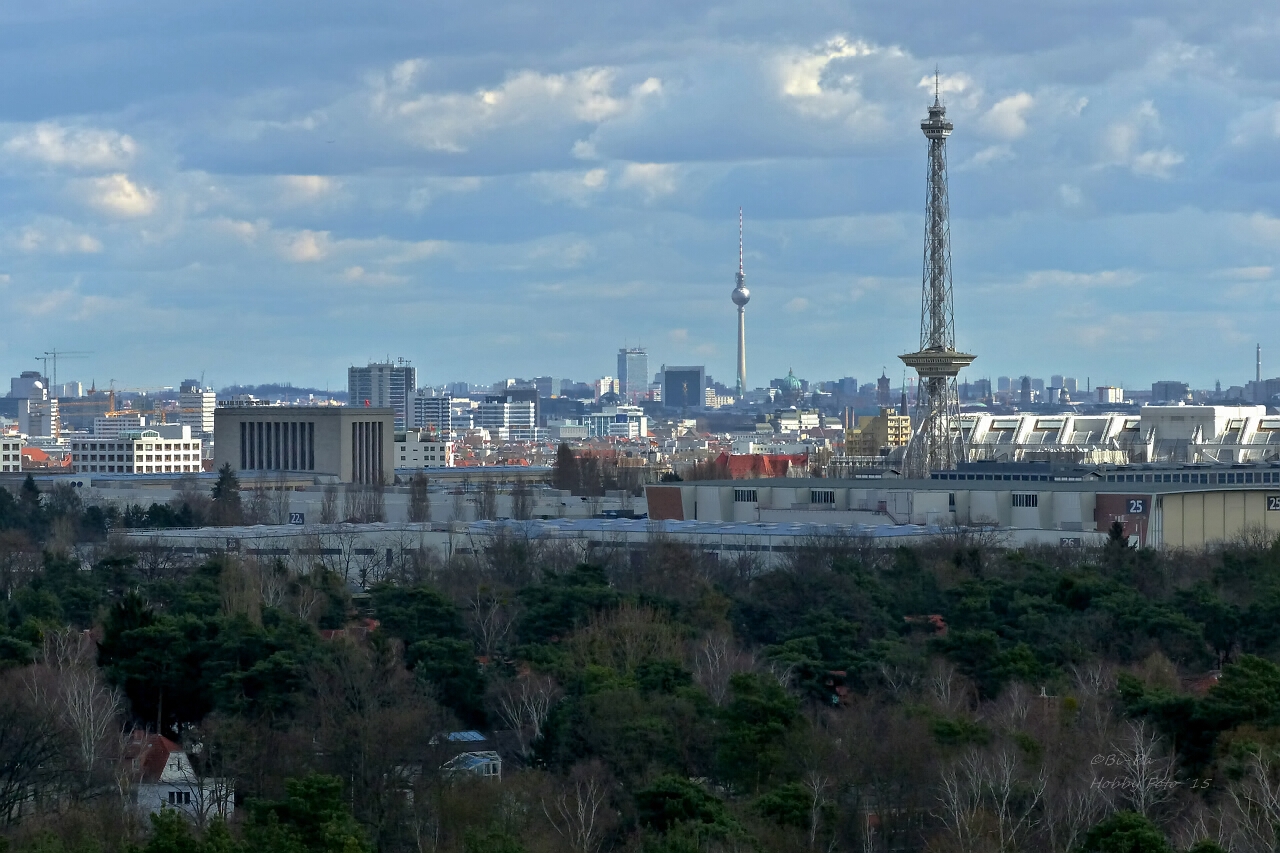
(747, 466)
(149, 754)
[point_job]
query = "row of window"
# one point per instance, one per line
(10, 446)
(139, 469)
(1216, 478)
(1022, 478)
(1026, 500)
(745, 496)
(107, 446)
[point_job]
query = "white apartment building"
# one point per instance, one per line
(162, 449)
(418, 448)
(11, 453)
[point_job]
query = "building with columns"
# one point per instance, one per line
(355, 444)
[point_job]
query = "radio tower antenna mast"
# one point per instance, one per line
(935, 445)
(741, 296)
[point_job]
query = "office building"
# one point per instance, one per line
(684, 387)
(384, 385)
(29, 385)
(161, 449)
(546, 386)
(1169, 391)
(617, 422)
(110, 426)
(39, 418)
(1004, 385)
(353, 444)
(633, 373)
(195, 408)
(445, 414)
(1108, 394)
(502, 413)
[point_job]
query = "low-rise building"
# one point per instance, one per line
(163, 776)
(162, 449)
(417, 448)
(11, 454)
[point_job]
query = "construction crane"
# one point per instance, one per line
(53, 355)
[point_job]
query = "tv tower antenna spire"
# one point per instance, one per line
(933, 446)
(741, 296)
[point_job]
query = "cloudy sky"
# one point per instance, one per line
(271, 191)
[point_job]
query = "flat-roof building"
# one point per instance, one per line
(355, 444)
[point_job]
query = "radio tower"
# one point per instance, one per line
(741, 296)
(932, 446)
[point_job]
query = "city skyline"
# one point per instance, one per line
(566, 188)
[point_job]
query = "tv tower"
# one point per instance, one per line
(741, 296)
(932, 446)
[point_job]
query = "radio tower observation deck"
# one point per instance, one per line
(933, 446)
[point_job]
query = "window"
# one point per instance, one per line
(744, 496)
(822, 496)
(1029, 501)
(179, 798)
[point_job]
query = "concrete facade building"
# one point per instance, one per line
(618, 422)
(11, 454)
(383, 385)
(1109, 394)
(110, 426)
(417, 448)
(353, 444)
(162, 449)
(444, 413)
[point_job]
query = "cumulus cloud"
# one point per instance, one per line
(74, 147)
(1123, 144)
(119, 196)
(452, 121)
(306, 187)
(803, 74)
(33, 239)
(1007, 118)
(1067, 280)
(652, 179)
(306, 246)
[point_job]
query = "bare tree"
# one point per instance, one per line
(487, 501)
(715, 661)
(960, 801)
(1256, 801)
(1014, 799)
(329, 505)
(521, 501)
(69, 684)
(524, 703)
(490, 617)
(579, 811)
(1148, 772)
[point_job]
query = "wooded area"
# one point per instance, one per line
(956, 697)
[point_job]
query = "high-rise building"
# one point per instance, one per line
(384, 385)
(1025, 392)
(1169, 391)
(633, 373)
(1055, 381)
(546, 386)
(934, 447)
(684, 387)
(1070, 384)
(1004, 384)
(741, 296)
(444, 414)
(195, 408)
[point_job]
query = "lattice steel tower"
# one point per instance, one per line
(933, 446)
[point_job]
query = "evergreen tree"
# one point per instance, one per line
(565, 474)
(226, 497)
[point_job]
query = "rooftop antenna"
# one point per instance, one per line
(937, 88)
